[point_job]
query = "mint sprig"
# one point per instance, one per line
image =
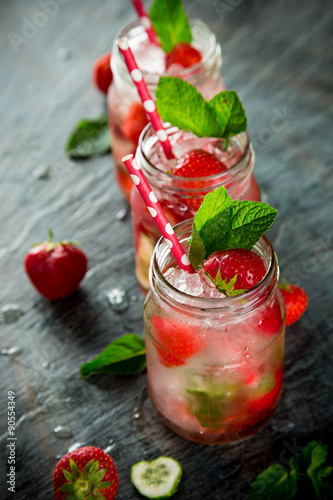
(170, 23)
(89, 138)
(223, 224)
(182, 105)
(307, 470)
(124, 356)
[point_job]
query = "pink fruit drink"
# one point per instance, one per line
(126, 115)
(215, 364)
(181, 197)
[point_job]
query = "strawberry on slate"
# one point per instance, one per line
(134, 122)
(55, 268)
(198, 163)
(183, 54)
(296, 301)
(223, 266)
(101, 73)
(175, 342)
(86, 473)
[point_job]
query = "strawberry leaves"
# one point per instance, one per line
(86, 484)
(223, 224)
(181, 104)
(170, 23)
(224, 286)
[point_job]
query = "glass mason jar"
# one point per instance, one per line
(126, 115)
(181, 197)
(214, 366)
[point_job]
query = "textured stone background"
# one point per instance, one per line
(278, 55)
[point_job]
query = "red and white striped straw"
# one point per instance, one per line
(147, 101)
(157, 213)
(145, 20)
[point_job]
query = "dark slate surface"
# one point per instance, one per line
(278, 55)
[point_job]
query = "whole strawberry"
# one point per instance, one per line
(101, 73)
(183, 54)
(296, 301)
(87, 473)
(55, 268)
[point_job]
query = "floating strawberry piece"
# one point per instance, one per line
(183, 54)
(261, 404)
(247, 265)
(56, 268)
(175, 342)
(296, 301)
(268, 321)
(134, 122)
(86, 473)
(101, 72)
(198, 163)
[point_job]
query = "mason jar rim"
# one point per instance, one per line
(184, 72)
(170, 129)
(235, 304)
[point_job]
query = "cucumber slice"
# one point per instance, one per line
(157, 479)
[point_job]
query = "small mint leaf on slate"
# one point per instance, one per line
(230, 113)
(170, 23)
(274, 483)
(250, 220)
(212, 223)
(181, 104)
(124, 356)
(89, 138)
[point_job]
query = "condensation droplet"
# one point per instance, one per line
(122, 214)
(11, 351)
(246, 349)
(74, 446)
(227, 329)
(136, 415)
(61, 432)
(63, 53)
(41, 172)
(246, 355)
(118, 299)
(10, 313)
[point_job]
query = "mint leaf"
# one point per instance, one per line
(311, 462)
(212, 223)
(181, 104)
(250, 220)
(230, 113)
(206, 408)
(170, 23)
(274, 483)
(124, 356)
(89, 138)
(222, 224)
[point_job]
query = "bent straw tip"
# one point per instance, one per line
(123, 43)
(127, 157)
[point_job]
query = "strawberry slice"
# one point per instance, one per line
(260, 405)
(183, 54)
(175, 342)
(198, 163)
(101, 73)
(134, 122)
(296, 301)
(247, 265)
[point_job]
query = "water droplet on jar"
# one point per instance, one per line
(10, 313)
(74, 446)
(118, 299)
(246, 355)
(11, 351)
(61, 432)
(246, 349)
(227, 329)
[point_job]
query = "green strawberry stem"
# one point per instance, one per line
(85, 485)
(51, 245)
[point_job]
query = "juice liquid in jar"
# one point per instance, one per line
(126, 115)
(214, 364)
(181, 197)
